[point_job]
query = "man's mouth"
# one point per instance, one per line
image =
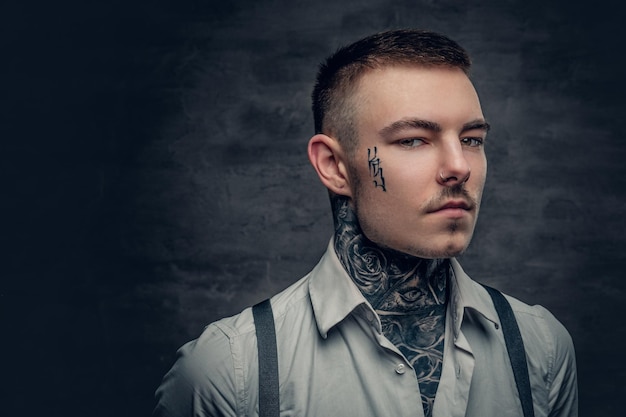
(453, 205)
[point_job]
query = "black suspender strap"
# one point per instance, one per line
(515, 348)
(269, 405)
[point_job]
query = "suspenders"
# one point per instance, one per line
(515, 347)
(269, 403)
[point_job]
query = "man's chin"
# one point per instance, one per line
(435, 246)
(446, 250)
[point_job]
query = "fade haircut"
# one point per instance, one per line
(338, 76)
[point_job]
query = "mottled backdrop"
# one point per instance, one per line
(156, 178)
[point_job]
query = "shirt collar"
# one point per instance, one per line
(333, 294)
(467, 294)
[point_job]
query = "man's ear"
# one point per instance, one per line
(328, 159)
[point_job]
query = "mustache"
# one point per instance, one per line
(456, 192)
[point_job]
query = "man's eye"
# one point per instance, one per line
(411, 143)
(472, 142)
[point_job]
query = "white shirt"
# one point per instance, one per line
(335, 361)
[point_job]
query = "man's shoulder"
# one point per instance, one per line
(534, 319)
(215, 368)
(543, 334)
(535, 314)
(541, 330)
(220, 334)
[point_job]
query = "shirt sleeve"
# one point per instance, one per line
(202, 381)
(563, 385)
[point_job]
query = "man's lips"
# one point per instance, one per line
(452, 205)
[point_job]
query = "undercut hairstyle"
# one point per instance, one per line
(338, 77)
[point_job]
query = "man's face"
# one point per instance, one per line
(419, 168)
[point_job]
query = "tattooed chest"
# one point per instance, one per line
(411, 304)
(412, 312)
(420, 338)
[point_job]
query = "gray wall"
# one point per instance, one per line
(157, 177)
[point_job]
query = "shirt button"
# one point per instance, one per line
(400, 368)
(370, 316)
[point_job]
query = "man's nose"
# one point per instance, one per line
(454, 168)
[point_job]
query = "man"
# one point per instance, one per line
(387, 324)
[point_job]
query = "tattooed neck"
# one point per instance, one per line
(408, 293)
(389, 280)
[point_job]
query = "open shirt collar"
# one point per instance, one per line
(334, 295)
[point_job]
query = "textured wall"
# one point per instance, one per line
(157, 177)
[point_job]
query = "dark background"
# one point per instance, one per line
(156, 179)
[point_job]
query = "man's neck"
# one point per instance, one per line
(391, 281)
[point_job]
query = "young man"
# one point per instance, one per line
(387, 324)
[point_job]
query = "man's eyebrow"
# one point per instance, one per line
(476, 124)
(406, 124)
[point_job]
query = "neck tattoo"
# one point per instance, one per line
(408, 294)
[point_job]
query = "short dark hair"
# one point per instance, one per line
(339, 74)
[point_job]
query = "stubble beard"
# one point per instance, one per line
(449, 250)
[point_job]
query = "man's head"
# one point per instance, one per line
(400, 133)
(337, 78)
